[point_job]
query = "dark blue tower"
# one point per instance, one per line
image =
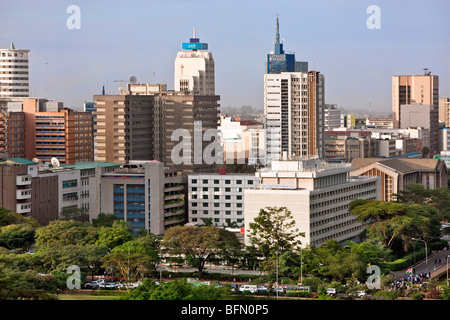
(278, 61)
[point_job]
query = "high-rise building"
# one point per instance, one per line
(42, 129)
(194, 68)
(294, 108)
(52, 131)
(422, 116)
(14, 74)
(279, 61)
(143, 124)
(410, 89)
(332, 117)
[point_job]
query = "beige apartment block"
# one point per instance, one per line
(410, 89)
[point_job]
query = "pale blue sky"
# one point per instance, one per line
(119, 39)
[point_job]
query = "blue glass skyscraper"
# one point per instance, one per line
(279, 61)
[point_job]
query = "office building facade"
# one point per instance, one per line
(219, 198)
(410, 89)
(294, 109)
(318, 196)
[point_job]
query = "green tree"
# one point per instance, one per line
(173, 290)
(74, 213)
(197, 244)
(389, 221)
(16, 236)
(7, 217)
(104, 220)
(112, 237)
(61, 233)
(132, 258)
(273, 232)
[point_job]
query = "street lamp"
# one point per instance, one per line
(426, 251)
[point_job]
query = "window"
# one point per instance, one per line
(250, 181)
(205, 188)
(227, 181)
(216, 197)
(216, 181)
(205, 181)
(194, 181)
(238, 181)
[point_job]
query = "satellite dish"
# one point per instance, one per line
(55, 162)
(133, 79)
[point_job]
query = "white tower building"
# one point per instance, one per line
(194, 68)
(14, 75)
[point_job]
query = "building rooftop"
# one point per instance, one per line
(402, 165)
(17, 161)
(81, 165)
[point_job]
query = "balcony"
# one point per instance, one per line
(23, 208)
(23, 180)
(23, 194)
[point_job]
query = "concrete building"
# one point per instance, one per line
(294, 109)
(386, 148)
(332, 117)
(41, 129)
(169, 126)
(444, 111)
(124, 128)
(316, 193)
(347, 148)
(42, 191)
(422, 116)
(219, 197)
(144, 193)
(194, 68)
(14, 72)
(410, 89)
(397, 173)
(242, 142)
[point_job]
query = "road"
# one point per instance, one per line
(427, 266)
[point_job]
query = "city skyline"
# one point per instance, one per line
(142, 39)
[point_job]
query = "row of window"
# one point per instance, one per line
(217, 181)
(217, 212)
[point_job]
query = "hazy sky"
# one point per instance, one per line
(118, 39)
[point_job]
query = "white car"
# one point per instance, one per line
(251, 288)
(261, 289)
(331, 291)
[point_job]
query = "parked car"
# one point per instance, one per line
(250, 288)
(280, 290)
(359, 294)
(92, 285)
(261, 289)
(331, 291)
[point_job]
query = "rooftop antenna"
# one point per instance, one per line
(194, 32)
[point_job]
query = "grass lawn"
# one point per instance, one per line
(85, 297)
